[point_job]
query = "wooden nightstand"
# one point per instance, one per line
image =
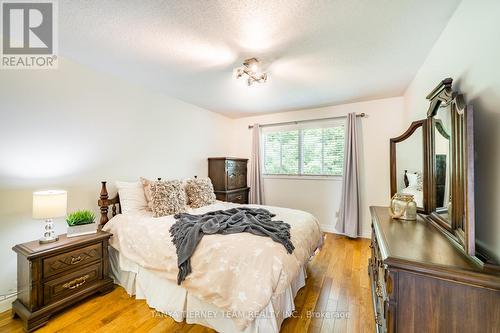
(50, 277)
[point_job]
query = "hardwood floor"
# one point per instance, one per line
(336, 298)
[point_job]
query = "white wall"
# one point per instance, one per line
(468, 51)
(322, 197)
(71, 128)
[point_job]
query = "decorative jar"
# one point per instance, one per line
(403, 207)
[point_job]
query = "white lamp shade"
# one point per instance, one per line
(49, 204)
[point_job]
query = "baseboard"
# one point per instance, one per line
(6, 304)
(328, 228)
(331, 229)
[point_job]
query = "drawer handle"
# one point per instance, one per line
(239, 197)
(377, 319)
(378, 290)
(76, 283)
(76, 260)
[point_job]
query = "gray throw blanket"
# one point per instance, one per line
(189, 229)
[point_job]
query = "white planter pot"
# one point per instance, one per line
(80, 230)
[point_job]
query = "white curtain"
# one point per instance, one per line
(349, 215)
(256, 181)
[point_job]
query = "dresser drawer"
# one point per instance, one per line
(240, 197)
(236, 172)
(379, 290)
(73, 259)
(66, 285)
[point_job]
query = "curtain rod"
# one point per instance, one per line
(362, 115)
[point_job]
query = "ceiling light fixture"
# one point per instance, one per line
(250, 68)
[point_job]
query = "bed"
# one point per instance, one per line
(239, 282)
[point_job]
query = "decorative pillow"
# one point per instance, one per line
(132, 199)
(146, 185)
(412, 179)
(200, 192)
(167, 197)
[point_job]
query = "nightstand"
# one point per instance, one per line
(51, 277)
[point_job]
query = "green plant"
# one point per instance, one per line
(80, 217)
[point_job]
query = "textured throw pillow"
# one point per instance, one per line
(146, 185)
(167, 197)
(200, 192)
(132, 199)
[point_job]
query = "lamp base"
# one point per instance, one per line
(49, 236)
(46, 240)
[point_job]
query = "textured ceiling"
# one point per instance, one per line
(316, 52)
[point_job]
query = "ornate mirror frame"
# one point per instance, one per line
(393, 160)
(461, 226)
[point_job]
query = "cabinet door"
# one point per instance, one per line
(236, 172)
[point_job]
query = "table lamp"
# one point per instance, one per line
(46, 206)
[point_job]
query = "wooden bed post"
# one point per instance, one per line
(102, 203)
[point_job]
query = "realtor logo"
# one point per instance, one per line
(29, 35)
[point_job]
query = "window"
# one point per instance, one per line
(309, 149)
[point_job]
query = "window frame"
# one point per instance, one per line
(300, 127)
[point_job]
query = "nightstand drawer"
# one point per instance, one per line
(76, 258)
(71, 283)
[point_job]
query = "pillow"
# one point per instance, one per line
(132, 197)
(412, 179)
(146, 185)
(167, 197)
(200, 192)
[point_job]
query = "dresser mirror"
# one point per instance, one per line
(442, 160)
(450, 165)
(434, 161)
(407, 163)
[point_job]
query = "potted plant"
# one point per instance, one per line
(81, 223)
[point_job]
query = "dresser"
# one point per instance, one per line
(229, 178)
(422, 282)
(51, 277)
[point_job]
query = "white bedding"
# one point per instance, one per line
(239, 273)
(180, 305)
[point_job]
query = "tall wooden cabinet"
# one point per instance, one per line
(229, 177)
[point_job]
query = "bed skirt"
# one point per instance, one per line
(166, 297)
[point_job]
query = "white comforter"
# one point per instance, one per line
(238, 273)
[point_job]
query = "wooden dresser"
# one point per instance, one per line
(422, 282)
(50, 277)
(229, 177)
